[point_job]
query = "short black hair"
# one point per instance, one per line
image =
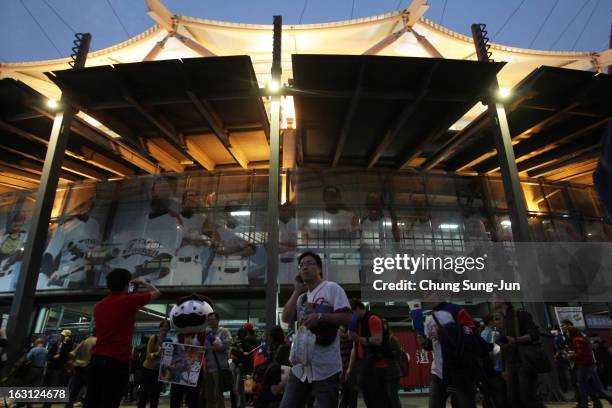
(567, 322)
(357, 304)
(216, 314)
(316, 257)
(487, 319)
(118, 279)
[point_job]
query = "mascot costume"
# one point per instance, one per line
(189, 317)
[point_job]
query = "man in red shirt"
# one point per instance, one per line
(373, 355)
(114, 316)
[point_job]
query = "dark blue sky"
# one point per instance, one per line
(23, 40)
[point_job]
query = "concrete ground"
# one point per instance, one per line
(408, 401)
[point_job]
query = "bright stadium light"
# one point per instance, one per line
(240, 213)
(503, 93)
(274, 86)
(449, 226)
(323, 221)
(52, 103)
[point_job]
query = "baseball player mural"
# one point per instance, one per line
(146, 244)
(195, 254)
(66, 261)
(12, 241)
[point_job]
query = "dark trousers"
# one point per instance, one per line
(150, 389)
(108, 380)
(392, 386)
(348, 393)
(297, 393)
(494, 392)
(55, 377)
(462, 396)
(522, 387)
(178, 393)
(589, 385)
(374, 388)
(77, 382)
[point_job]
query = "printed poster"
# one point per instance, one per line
(181, 364)
(573, 314)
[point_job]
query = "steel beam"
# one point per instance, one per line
(402, 118)
(216, 124)
(503, 143)
(22, 306)
(273, 185)
(563, 152)
(578, 158)
(348, 119)
(491, 163)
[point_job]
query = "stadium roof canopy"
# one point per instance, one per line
(559, 106)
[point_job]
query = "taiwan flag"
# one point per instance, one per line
(259, 357)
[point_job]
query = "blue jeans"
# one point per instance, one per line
(297, 393)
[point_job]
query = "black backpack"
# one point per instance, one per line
(460, 351)
(384, 350)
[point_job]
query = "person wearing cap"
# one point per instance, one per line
(82, 357)
(59, 353)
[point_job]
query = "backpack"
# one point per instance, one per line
(384, 350)
(460, 351)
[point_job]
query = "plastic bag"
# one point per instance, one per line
(302, 347)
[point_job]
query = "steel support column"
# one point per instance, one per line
(22, 306)
(273, 184)
(507, 162)
(503, 145)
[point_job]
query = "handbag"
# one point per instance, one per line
(226, 378)
(302, 347)
(532, 355)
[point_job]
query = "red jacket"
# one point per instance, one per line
(583, 356)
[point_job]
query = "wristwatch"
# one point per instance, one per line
(319, 316)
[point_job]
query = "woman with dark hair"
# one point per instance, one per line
(589, 384)
(151, 387)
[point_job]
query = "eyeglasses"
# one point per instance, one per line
(307, 264)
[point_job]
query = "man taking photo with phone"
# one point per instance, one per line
(319, 307)
(115, 317)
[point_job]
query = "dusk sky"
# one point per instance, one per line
(582, 25)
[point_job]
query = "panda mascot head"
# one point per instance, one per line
(190, 313)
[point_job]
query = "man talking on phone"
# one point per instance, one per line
(115, 317)
(318, 306)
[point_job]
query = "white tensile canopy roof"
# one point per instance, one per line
(405, 33)
(401, 33)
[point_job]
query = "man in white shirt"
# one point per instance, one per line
(12, 241)
(320, 306)
(194, 254)
(148, 248)
(69, 250)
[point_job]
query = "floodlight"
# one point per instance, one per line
(503, 93)
(273, 86)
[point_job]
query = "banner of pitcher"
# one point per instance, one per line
(202, 229)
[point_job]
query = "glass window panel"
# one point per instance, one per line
(441, 190)
(583, 200)
(497, 193)
(534, 198)
(557, 199)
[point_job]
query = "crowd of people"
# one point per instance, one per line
(335, 351)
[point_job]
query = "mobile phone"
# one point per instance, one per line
(299, 279)
(131, 287)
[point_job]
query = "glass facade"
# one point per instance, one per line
(210, 229)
